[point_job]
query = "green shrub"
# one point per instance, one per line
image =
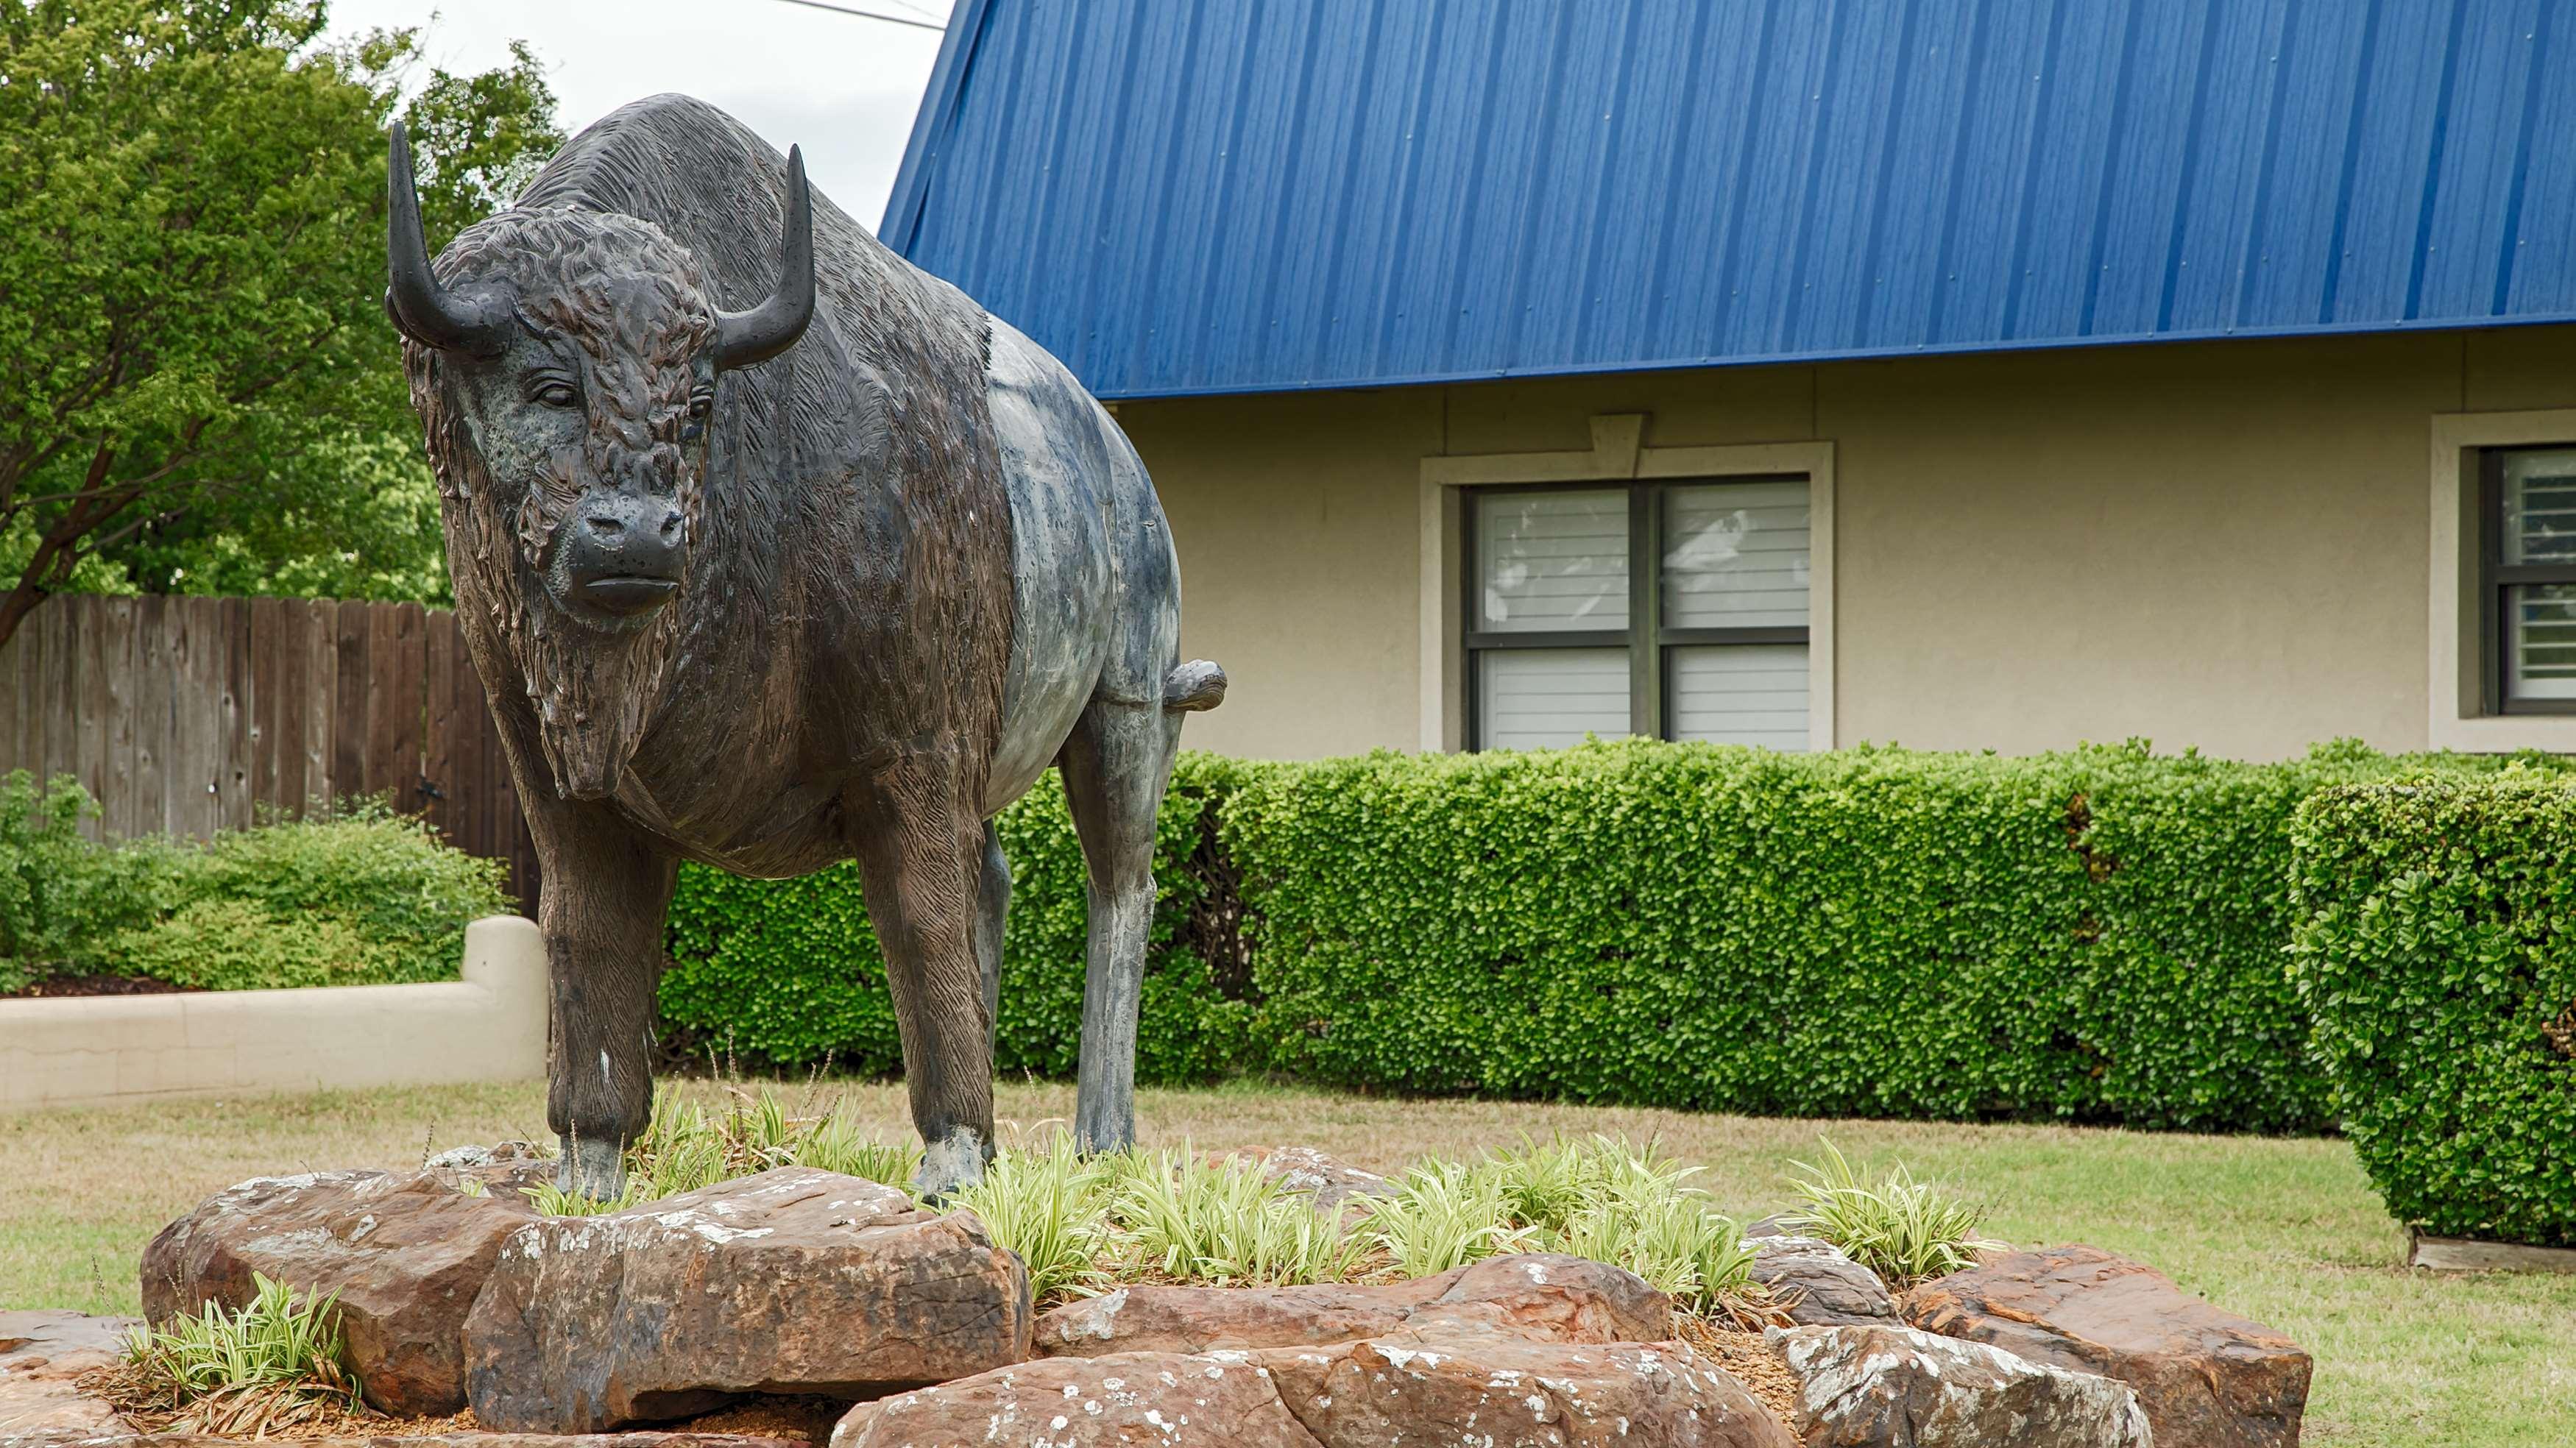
(218, 944)
(2436, 951)
(2094, 935)
(387, 878)
(363, 897)
(62, 893)
(789, 972)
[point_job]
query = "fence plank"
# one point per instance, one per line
(62, 689)
(240, 719)
(145, 811)
(349, 703)
(264, 668)
(322, 700)
(91, 710)
(196, 657)
(13, 696)
(122, 706)
(26, 679)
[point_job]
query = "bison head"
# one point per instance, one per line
(565, 362)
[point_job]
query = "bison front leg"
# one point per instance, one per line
(921, 851)
(606, 893)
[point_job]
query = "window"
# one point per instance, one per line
(2527, 584)
(1672, 609)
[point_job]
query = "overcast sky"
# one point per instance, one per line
(842, 87)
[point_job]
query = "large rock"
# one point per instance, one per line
(1819, 1286)
(1638, 1395)
(1493, 1393)
(1538, 1296)
(42, 1355)
(791, 1281)
(508, 1168)
(2207, 1379)
(1331, 1182)
(1893, 1387)
(406, 1254)
(1125, 1398)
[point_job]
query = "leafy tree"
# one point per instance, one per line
(198, 388)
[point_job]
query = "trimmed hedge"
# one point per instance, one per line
(788, 972)
(2094, 935)
(2435, 953)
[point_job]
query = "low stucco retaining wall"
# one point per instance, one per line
(489, 1026)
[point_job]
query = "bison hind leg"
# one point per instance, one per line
(1115, 765)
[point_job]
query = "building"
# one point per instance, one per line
(1959, 373)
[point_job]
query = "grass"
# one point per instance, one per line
(1904, 1230)
(2285, 1231)
(272, 1364)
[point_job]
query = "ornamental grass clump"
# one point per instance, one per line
(273, 1364)
(1602, 1198)
(1444, 1214)
(1904, 1230)
(1226, 1223)
(685, 1146)
(1085, 1222)
(1050, 1206)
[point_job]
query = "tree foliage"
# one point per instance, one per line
(197, 384)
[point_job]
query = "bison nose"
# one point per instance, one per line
(625, 557)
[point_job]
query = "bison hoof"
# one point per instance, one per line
(591, 1168)
(949, 1165)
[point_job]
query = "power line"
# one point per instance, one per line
(867, 14)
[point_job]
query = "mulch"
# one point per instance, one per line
(290, 1418)
(1752, 1362)
(94, 985)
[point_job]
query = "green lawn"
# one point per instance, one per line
(2287, 1232)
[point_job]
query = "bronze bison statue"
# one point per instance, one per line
(773, 551)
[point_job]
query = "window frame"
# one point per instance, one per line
(2495, 577)
(1648, 642)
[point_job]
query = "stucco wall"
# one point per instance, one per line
(2221, 545)
(488, 1025)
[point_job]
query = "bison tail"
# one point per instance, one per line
(1195, 685)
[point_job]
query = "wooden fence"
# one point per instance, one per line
(186, 715)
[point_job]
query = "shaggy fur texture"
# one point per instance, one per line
(635, 303)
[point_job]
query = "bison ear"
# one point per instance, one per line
(743, 338)
(474, 319)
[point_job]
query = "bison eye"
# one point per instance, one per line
(700, 404)
(554, 392)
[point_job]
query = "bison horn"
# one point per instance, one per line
(743, 338)
(473, 320)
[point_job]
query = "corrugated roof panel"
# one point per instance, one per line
(1180, 197)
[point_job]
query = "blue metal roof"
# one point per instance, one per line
(1181, 197)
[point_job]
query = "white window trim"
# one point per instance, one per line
(2452, 689)
(1618, 454)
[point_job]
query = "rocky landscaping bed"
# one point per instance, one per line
(797, 1303)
